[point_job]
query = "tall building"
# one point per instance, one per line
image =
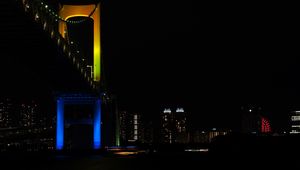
(5, 109)
(295, 122)
(265, 125)
(254, 121)
(14, 113)
(180, 120)
(29, 115)
(131, 129)
(250, 119)
(110, 120)
(8, 113)
(173, 126)
(166, 126)
(148, 136)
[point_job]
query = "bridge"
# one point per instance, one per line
(58, 19)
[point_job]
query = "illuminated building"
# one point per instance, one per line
(130, 127)
(123, 126)
(166, 126)
(135, 127)
(208, 135)
(29, 115)
(180, 121)
(265, 125)
(110, 123)
(14, 113)
(6, 109)
(173, 126)
(254, 121)
(9, 113)
(295, 122)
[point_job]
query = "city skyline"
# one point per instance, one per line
(101, 84)
(211, 63)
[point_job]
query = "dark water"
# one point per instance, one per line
(148, 162)
(91, 162)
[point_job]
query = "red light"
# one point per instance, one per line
(265, 125)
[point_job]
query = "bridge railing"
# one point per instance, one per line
(47, 17)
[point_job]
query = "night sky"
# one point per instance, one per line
(208, 58)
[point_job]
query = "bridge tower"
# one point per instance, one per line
(56, 22)
(92, 11)
(89, 10)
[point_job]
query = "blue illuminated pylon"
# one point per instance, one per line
(60, 125)
(97, 125)
(78, 99)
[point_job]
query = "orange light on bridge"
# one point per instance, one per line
(69, 11)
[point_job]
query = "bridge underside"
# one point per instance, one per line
(31, 64)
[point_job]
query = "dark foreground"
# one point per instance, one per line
(162, 161)
(231, 152)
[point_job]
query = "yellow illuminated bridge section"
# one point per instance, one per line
(69, 11)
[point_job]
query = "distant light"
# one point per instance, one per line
(214, 128)
(125, 153)
(168, 110)
(295, 118)
(250, 110)
(45, 25)
(131, 147)
(294, 132)
(46, 6)
(179, 110)
(36, 16)
(196, 150)
(131, 140)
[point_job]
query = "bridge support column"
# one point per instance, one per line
(60, 124)
(75, 99)
(97, 125)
